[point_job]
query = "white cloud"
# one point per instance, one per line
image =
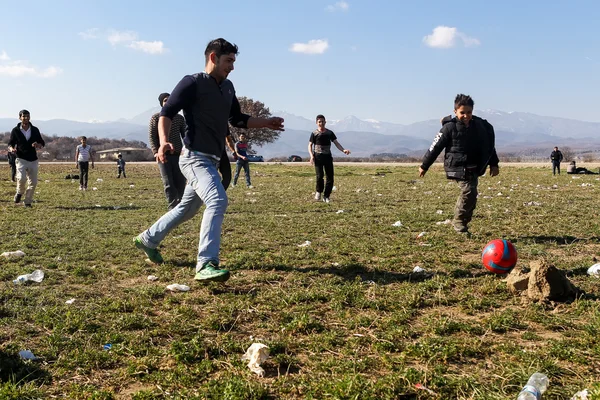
(156, 47)
(19, 69)
(4, 56)
(92, 33)
(317, 46)
(116, 37)
(125, 38)
(445, 37)
(338, 6)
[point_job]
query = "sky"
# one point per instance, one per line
(395, 61)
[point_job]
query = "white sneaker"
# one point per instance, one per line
(317, 196)
(250, 187)
(326, 200)
(233, 185)
(80, 187)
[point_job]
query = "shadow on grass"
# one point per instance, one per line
(106, 208)
(561, 240)
(14, 369)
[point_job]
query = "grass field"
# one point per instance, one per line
(343, 317)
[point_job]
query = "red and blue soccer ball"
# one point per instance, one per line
(499, 256)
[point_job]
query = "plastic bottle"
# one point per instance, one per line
(35, 276)
(536, 386)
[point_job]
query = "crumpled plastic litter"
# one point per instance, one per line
(132, 186)
(35, 276)
(94, 188)
(446, 222)
(418, 270)
(440, 212)
(420, 235)
(99, 180)
(397, 223)
(581, 395)
(339, 211)
(13, 254)
(256, 354)
(176, 287)
(594, 270)
(70, 301)
(305, 244)
(27, 355)
(152, 278)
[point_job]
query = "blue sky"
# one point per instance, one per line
(396, 61)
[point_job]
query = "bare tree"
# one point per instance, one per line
(568, 154)
(256, 137)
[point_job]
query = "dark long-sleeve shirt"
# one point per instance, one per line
(207, 107)
(25, 149)
(175, 135)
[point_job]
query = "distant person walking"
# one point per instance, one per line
(172, 178)
(83, 155)
(319, 148)
(12, 159)
(25, 140)
(556, 157)
(241, 151)
(121, 166)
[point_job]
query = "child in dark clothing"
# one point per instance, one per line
(121, 166)
(469, 142)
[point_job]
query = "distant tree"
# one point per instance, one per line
(568, 154)
(256, 137)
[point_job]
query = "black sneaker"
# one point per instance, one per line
(17, 198)
(28, 205)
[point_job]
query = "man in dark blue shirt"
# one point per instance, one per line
(208, 102)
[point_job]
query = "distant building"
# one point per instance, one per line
(129, 154)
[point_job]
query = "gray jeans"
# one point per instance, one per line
(173, 180)
(465, 205)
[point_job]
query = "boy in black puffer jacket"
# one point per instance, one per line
(469, 142)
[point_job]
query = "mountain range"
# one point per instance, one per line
(516, 132)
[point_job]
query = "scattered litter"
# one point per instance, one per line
(98, 205)
(420, 235)
(439, 212)
(59, 258)
(586, 184)
(70, 301)
(333, 189)
(397, 223)
(499, 194)
(152, 278)
(99, 180)
(581, 395)
(335, 264)
(305, 244)
(280, 215)
(555, 186)
(35, 276)
(46, 181)
(423, 387)
(27, 355)
(358, 335)
(176, 287)
(358, 190)
(256, 354)
(116, 207)
(594, 270)
(424, 244)
(575, 177)
(379, 194)
(132, 186)
(369, 282)
(339, 211)
(446, 222)
(13, 254)
(130, 204)
(94, 188)
(487, 197)
(428, 192)
(418, 270)
(107, 347)
(532, 203)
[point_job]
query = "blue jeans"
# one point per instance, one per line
(238, 166)
(203, 186)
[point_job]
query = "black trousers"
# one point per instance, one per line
(555, 166)
(84, 167)
(324, 162)
(13, 170)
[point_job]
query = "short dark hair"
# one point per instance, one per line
(319, 117)
(463, 100)
(83, 138)
(220, 47)
(23, 112)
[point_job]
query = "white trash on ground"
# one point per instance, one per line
(305, 244)
(418, 270)
(420, 235)
(176, 287)
(27, 355)
(35, 276)
(339, 211)
(594, 270)
(440, 212)
(13, 254)
(152, 278)
(99, 180)
(446, 222)
(256, 354)
(94, 188)
(70, 301)
(581, 395)
(397, 223)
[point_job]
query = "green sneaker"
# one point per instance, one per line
(153, 254)
(210, 272)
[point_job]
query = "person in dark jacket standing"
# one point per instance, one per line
(12, 159)
(25, 140)
(556, 158)
(469, 142)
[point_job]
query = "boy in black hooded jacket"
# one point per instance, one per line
(469, 142)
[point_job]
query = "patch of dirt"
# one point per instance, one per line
(129, 391)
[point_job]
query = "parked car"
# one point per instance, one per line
(255, 158)
(294, 158)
